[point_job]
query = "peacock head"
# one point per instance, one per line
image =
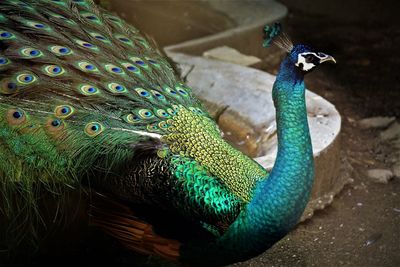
(306, 59)
(302, 56)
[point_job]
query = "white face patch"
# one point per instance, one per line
(307, 65)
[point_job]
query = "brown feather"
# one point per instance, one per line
(120, 222)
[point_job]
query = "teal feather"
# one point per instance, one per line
(85, 97)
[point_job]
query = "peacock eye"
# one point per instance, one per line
(30, 52)
(116, 88)
(93, 129)
(146, 114)
(53, 70)
(63, 111)
(56, 123)
(309, 57)
(16, 116)
(114, 69)
(87, 67)
(142, 92)
(4, 61)
(131, 118)
(87, 89)
(26, 79)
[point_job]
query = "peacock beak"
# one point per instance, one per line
(327, 58)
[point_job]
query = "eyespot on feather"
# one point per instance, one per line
(112, 18)
(199, 111)
(132, 119)
(123, 39)
(139, 62)
(90, 17)
(145, 114)
(87, 67)
(170, 91)
(25, 79)
(171, 111)
(152, 127)
(116, 88)
(88, 45)
(37, 25)
(54, 125)
(100, 37)
(111, 68)
(158, 95)
(16, 117)
(53, 70)
(64, 111)
(162, 113)
(30, 52)
(181, 91)
(93, 129)
(131, 68)
(143, 93)
(153, 62)
(4, 62)
(6, 35)
(163, 125)
(8, 87)
(87, 89)
(192, 109)
(60, 50)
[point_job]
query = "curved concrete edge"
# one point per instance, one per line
(248, 91)
(270, 12)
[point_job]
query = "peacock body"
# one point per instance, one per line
(85, 97)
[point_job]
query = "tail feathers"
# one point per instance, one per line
(120, 222)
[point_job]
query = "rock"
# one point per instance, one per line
(392, 132)
(228, 54)
(381, 176)
(376, 122)
(396, 170)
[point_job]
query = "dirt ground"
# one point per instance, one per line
(362, 226)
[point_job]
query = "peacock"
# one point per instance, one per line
(85, 99)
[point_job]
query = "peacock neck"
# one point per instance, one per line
(288, 187)
(294, 142)
(279, 200)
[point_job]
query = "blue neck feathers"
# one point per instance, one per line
(280, 199)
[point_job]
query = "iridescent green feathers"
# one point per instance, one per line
(69, 54)
(78, 88)
(57, 43)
